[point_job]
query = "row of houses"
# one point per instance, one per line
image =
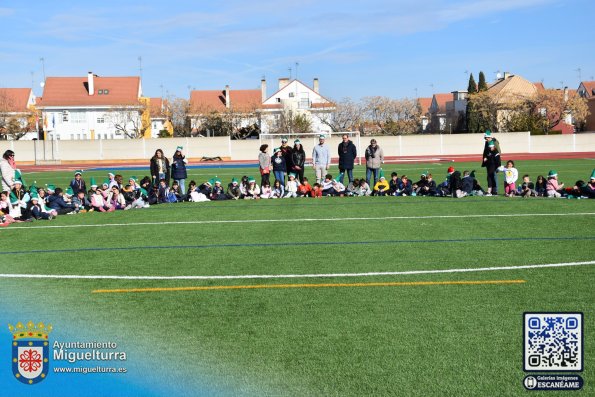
(95, 107)
(446, 112)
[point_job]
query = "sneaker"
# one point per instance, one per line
(488, 194)
(50, 217)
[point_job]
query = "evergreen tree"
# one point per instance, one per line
(472, 87)
(482, 86)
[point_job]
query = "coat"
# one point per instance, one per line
(178, 168)
(374, 158)
(298, 158)
(155, 170)
(347, 155)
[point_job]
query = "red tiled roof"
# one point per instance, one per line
(73, 91)
(590, 87)
(157, 107)
(424, 104)
(205, 101)
(14, 100)
(441, 100)
(539, 86)
(322, 105)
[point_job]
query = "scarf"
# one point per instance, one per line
(12, 163)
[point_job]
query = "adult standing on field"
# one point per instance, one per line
(159, 168)
(8, 169)
(264, 164)
(321, 159)
(178, 169)
(374, 160)
(347, 156)
(298, 158)
(286, 152)
(486, 154)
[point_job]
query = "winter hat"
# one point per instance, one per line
(78, 172)
(552, 173)
(50, 187)
(322, 136)
(276, 150)
(18, 177)
(18, 180)
(425, 173)
(488, 134)
(491, 144)
(291, 175)
(106, 182)
(451, 170)
(133, 178)
(251, 179)
(217, 180)
(234, 181)
(284, 139)
(69, 191)
(179, 148)
(381, 174)
(93, 182)
(593, 174)
(111, 174)
(297, 141)
(210, 182)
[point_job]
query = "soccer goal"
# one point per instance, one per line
(309, 140)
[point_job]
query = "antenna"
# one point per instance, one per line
(289, 73)
(432, 85)
(562, 84)
(42, 60)
(161, 86)
(32, 79)
(140, 67)
(415, 92)
(296, 69)
(580, 77)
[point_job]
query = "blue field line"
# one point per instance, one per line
(305, 243)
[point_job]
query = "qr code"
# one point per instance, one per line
(553, 342)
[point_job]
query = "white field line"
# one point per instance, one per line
(375, 218)
(275, 276)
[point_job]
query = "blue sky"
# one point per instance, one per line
(356, 48)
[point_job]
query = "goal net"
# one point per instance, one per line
(309, 140)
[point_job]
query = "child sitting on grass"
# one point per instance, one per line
(278, 190)
(527, 188)
(305, 189)
(553, 188)
(266, 191)
(291, 187)
(363, 189)
(381, 187)
(541, 186)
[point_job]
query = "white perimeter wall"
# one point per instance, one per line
(408, 145)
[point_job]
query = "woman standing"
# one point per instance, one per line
(178, 169)
(159, 168)
(298, 158)
(279, 166)
(264, 163)
(492, 162)
(374, 160)
(8, 169)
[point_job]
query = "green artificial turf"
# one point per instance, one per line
(435, 340)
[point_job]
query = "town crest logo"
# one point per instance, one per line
(30, 351)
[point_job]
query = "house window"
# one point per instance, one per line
(291, 94)
(304, 103)
(100, 92)
(65, 115)
(278, 100)
(154, 125)
(78, 117)
(105, 92)
(100, 120)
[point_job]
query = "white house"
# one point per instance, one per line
(18, 104)
(91, 107)
(295, 98)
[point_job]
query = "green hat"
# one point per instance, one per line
(234, 180)
(93, 183)
(18, 177)
(111, 174)
(210, 182)
(50, 187)
(284, 139)
(179, 148)
(491, 144)
(322, 136)
(277, 149)
(593, 174)
(133, 178)
(381, 174)
(251, 179)
(297, 141)
(69, 191)
(106, 182)
(217, 180)
(78, 172)
(143, 191)
(425, 173)
(33, 189)
(487, 134)
(292, 174)
(552, 173)
(34, 196)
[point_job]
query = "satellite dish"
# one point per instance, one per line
(42, 84)
(498, 75)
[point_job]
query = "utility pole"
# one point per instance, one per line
(296, 69)
(140, 67)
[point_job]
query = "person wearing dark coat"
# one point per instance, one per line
(178, 169)
(159, 168)
(298, 158)
(56, 202)
(78, 183)
(286, 153)
(490, 140)
(492, 163)
(347, 156)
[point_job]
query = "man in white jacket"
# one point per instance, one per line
(321, 159)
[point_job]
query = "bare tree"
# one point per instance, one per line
(392, 116)
(128, 120)
(346, 115)
(236, 122)
(177, 111)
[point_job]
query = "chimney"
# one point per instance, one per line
(565, 94)
(316, 85)
(90, 84)
(283, 82)
(507, 75)
(263, 89)
(227, 100)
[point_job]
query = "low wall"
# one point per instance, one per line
(195, 148)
